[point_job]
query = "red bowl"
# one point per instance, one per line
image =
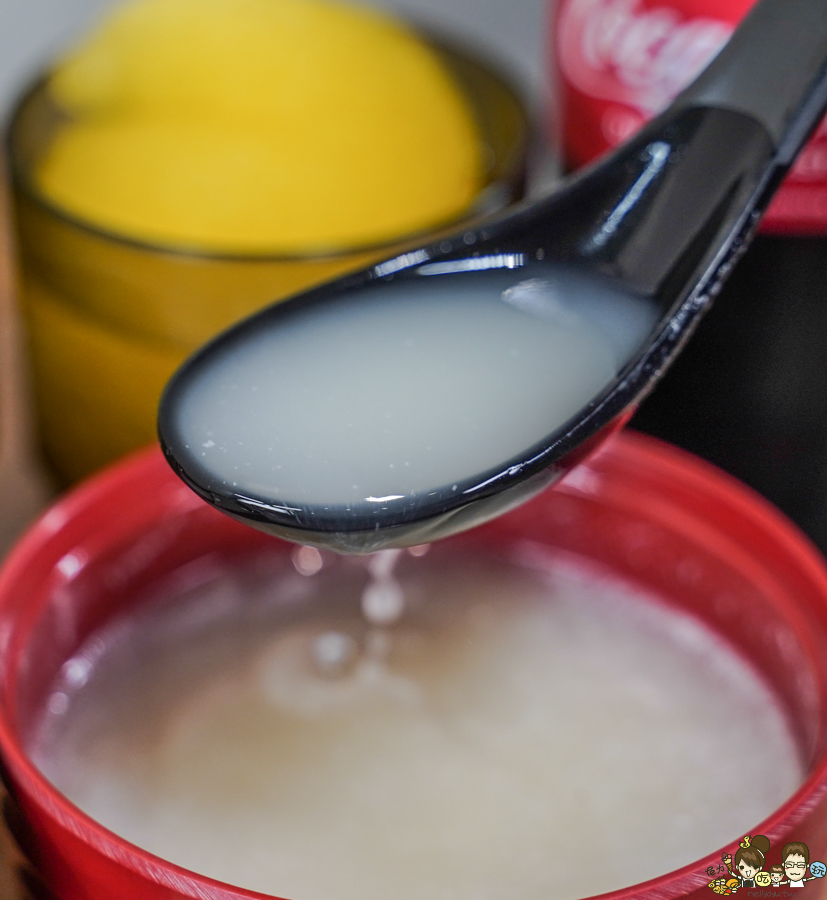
(655, 515)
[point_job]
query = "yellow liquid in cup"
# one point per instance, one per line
(259, 126)
(263, 143)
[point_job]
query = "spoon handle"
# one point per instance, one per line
(774, 69)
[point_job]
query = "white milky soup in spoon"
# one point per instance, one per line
(516, 726)
(403, 388)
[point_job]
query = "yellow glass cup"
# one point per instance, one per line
(110, 318)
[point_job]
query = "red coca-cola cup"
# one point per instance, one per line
(620, 62)
(656, 517)
(749, 392)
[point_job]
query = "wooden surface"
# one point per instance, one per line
(24, 489)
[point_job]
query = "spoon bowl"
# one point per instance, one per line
(377, 410)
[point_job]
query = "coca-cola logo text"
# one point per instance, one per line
(620, 51)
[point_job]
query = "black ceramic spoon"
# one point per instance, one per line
(663, 219)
